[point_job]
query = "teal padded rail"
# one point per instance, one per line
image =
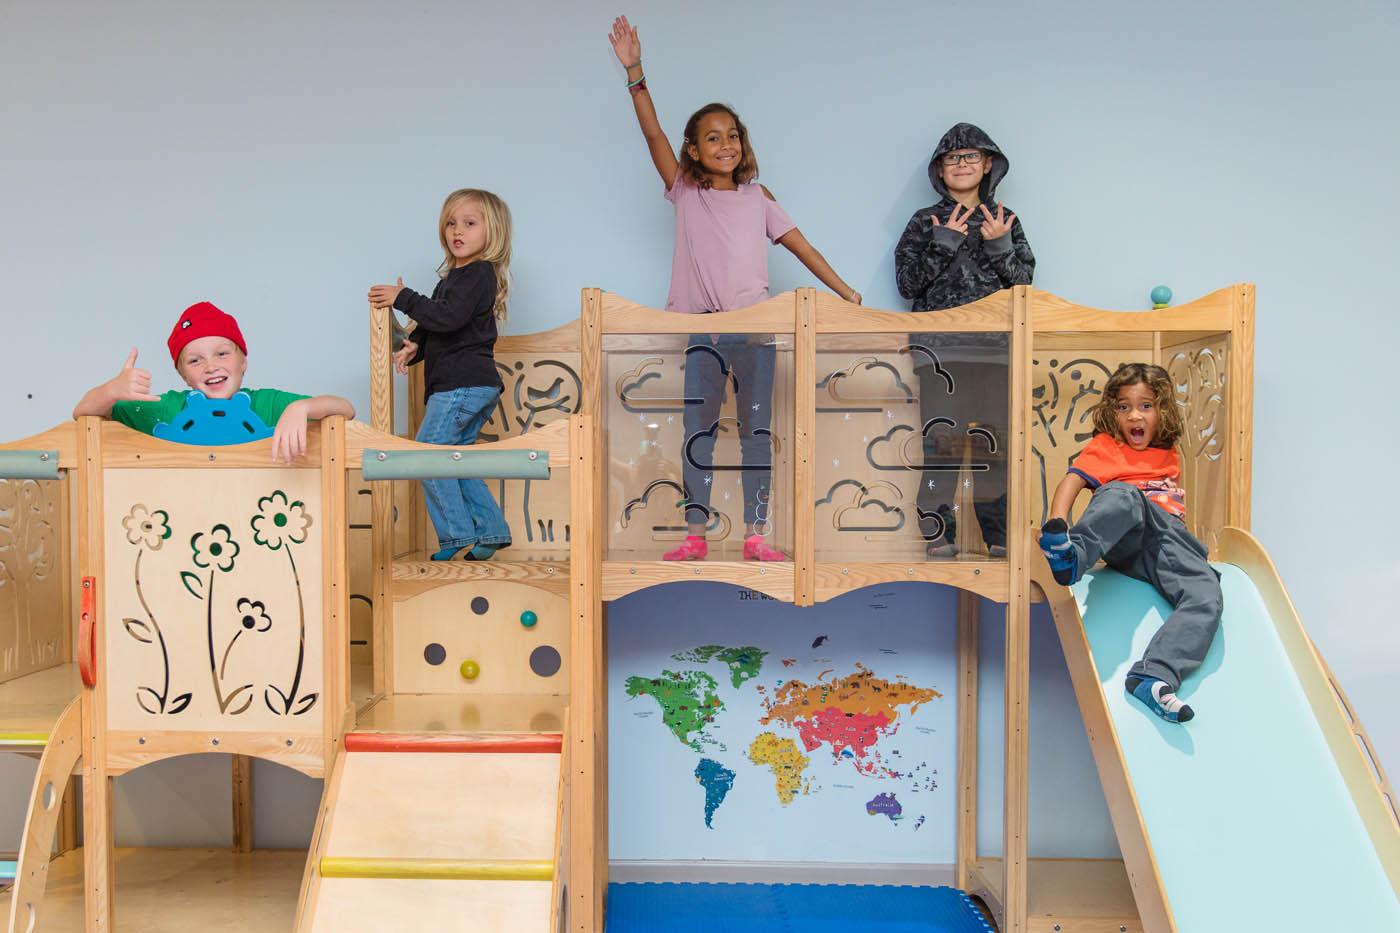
(449, 463)
(28, 464)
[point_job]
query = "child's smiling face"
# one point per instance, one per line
(213, 365)
(1136, 415)
(718, 147)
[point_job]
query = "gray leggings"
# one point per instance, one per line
(1139, 538)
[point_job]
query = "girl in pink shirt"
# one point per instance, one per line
(720, 263)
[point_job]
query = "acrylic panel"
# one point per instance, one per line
(698, 438)
(911, 442)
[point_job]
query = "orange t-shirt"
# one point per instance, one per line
(1105, 459)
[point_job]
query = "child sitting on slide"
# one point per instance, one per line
(1136, 521)
(207, 348)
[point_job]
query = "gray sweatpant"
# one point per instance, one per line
(1141, 539)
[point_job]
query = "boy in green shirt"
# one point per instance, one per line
(210, 355)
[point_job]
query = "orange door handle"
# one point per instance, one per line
(87, 632)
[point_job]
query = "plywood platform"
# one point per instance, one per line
(465, 713)
(33, 703)
(499, 806)
(179, 890)
(1065, 895)
(350, 905)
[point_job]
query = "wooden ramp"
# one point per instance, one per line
(431, 830)
(1266, 812)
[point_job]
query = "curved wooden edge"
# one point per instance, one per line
(1143, 874)
(621, 578)
(1361, 771)
(60, 759)
(320, 836)
(62, 438)
(411, 578)
(983, 578)
(553, 438)
(561, 339)
(773, 315)
(124, 447)
(127, 751)
(427, 743)
(1212, 312)
(558, 907)
(835, 316)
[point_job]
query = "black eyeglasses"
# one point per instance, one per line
(971, 158)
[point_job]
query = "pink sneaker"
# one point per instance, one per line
(693, 548)
(755, 548)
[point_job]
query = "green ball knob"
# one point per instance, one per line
(528, 619)
(470, 669)
(1161, 296)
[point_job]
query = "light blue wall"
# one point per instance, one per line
(280, 158)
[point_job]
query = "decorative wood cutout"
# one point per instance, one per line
(212, 600)
(31, 585)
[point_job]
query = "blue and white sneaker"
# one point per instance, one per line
(1054, 543)
(1157, 696)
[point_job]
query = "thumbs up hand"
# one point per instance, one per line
(132, 384)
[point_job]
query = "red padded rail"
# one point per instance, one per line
(543, 743)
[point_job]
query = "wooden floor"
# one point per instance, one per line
(34, 702)
(182, 890)
(460, 713)
(1065, 895)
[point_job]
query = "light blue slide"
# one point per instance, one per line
(1263, 813)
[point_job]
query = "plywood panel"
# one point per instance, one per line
(213, 600)
(357, 905)
(436, 631)
(434, 805)
(465, 713)
(32, 530)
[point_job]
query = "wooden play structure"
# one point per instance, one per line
(467, 779)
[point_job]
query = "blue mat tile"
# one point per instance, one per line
(789, 908)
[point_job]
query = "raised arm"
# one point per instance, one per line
(628, 49)
(129, 385)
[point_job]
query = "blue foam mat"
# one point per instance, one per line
(790, 908)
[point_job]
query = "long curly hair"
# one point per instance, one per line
(747, 169)
(1170, 427)
(497, 248)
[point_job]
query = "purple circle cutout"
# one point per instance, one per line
(545, 661)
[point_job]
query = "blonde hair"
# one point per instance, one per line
(1170, 425)
(497, 248)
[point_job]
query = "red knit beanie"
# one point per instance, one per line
(203, 320)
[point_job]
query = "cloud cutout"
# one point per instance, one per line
(713, 431)
(842, 385)
(923, 356)
(865, 509)
(674, 524)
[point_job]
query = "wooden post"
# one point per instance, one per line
(1017, 752)
(969, 633)
(242, 803)
(804, 482)
(587, 732)
(335, 591)
(97, 786)
(382, 504)
(1239, 387)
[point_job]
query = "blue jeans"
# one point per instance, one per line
(462, 510)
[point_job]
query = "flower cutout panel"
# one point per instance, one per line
(212, 600)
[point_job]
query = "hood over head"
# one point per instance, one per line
(969, 136)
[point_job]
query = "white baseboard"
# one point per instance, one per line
(717, 872)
